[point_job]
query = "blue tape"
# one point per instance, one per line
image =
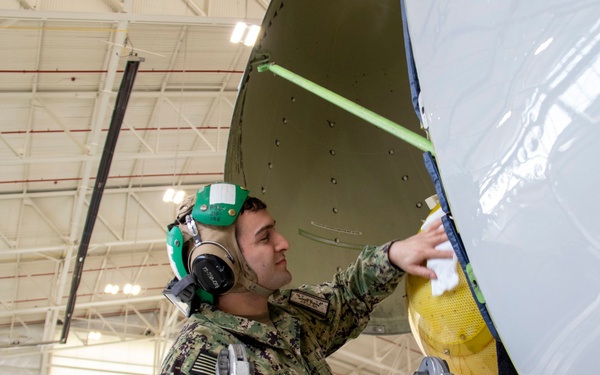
(463, 259)
(456, 241)
(434, 173)
(415, 87)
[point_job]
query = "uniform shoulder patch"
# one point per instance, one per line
(205, 364)
(315, 304)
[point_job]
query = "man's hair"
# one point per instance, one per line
(253, 204)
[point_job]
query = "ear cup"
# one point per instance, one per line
(212, 267)
(213, 274)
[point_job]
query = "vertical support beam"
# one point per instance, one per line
(49, 326)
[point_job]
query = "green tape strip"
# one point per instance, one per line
(474, 286)
(381, 122)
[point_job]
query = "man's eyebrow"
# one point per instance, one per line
(264, 228)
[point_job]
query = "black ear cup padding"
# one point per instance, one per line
(213, 274)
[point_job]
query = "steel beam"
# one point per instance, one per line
(28, 15)
(83, 305)
(70, 193)
(46, 249)
(84, 158)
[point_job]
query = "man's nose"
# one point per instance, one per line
(282, 244)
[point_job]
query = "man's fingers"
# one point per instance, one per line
(423, 271)
(442, 254)
(434, 225)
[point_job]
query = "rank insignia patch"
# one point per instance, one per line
(312, 303)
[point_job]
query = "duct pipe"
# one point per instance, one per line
(118, 115)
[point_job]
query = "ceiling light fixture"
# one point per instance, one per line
(132, 289)
(168, 197)
(178, 198)
(251, 35)
(136, 290)
(127, 288)
(245, 32)
(174, 196)
(112, 289)
(238, 32)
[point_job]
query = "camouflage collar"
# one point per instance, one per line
(284, 335)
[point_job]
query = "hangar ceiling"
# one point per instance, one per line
(62, 65)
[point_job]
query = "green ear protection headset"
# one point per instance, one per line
(203, 251)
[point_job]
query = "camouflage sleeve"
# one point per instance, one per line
(352, 296)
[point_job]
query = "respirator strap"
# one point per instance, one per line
(183, 290)
(255, 288)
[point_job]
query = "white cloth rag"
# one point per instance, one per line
(445, 269)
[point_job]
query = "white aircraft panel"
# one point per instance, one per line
(510, 92)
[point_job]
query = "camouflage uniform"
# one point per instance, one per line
(311, 323)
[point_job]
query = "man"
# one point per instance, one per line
(288, 331)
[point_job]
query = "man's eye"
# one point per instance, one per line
(266, 238)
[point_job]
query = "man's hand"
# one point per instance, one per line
(412, 253)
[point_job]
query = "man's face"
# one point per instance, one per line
(264, 248)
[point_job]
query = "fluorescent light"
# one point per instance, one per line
(136, 290)
(174, 196)
(178, 198)
(252, 35)
(238, 32)
(132, 289)
(94, 335)
(250, 31)
(112, 289)
(168, 197)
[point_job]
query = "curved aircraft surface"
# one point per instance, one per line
(509, 93)
(332, 181)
